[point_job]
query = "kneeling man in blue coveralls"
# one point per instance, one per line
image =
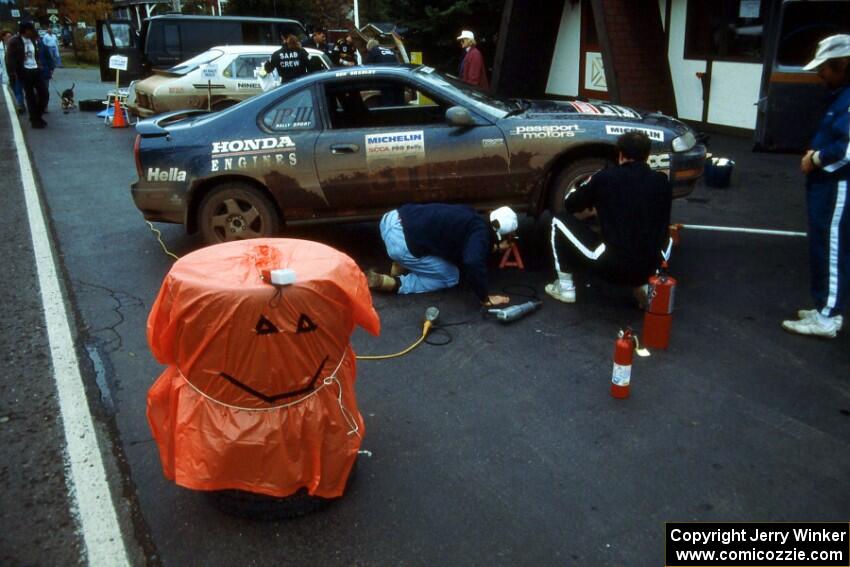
(435, 242)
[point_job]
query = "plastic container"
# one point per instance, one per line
(718, 172)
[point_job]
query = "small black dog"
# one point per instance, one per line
(68, 99)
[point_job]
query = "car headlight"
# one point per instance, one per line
(684, 142)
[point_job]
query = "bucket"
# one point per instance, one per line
(718, 172)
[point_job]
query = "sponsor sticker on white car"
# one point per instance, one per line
(617, 129)
(395, 144)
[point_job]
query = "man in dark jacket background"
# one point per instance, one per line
(633, 205)
(22, 61)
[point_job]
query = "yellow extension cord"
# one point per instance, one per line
(425, 328)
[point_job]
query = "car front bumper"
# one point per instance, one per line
(687, 168)
(160, 203)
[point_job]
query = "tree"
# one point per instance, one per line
(327, 13)
(87, 10)
(434, 25)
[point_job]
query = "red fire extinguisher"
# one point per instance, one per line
(621, 376)
(658, 318)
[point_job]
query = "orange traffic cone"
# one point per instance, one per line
(118, 120)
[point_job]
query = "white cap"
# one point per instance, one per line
(504, 221)
(466, 34)
(832, 47)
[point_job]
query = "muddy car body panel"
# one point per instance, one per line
(319, 153)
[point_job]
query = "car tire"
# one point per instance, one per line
(253, 506)
(570, 177)
(237, 211)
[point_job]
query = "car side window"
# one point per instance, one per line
(383, 103)
(243, 66)
(317, 63)
(293, 113)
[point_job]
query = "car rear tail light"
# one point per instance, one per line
(136, 156)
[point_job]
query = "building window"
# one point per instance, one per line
(725, 30)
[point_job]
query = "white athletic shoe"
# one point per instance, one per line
(555, 290)
(813, 326)
(809, 313)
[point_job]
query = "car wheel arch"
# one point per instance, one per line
(204, 186)
(565, 159)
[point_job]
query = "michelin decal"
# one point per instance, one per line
(395, 145)
(544, 132)
(257, 152)
(651, 133)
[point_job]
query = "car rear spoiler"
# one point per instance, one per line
(153, 127)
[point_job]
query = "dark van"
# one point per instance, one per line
(167, 40)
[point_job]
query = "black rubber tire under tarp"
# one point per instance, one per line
(255, 506)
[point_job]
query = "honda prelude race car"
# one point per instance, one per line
(313, 151)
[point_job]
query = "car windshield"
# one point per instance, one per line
(486, 101)
(190, 65)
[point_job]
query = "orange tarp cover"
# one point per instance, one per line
(259, 390)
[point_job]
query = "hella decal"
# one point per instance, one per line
(258, 145)
(156, 174)
(543, 132)
(652, 133)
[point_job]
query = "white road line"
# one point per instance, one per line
(744, 230)
(87, 481)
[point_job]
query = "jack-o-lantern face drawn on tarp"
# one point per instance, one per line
(259, 390)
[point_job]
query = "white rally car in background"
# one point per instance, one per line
(184, 87)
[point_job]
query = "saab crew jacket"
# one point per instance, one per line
(290, 63)
(633, 206)
(455, 233)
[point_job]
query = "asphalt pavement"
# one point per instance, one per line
(502, 447)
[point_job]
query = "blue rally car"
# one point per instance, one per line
(346, 145)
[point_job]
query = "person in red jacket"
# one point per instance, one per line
(472, 68)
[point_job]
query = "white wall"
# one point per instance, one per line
(734, 93)
(685, 82)
(563, 74)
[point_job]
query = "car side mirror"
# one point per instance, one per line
(459, 116)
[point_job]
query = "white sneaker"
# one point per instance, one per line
(809, 313)
(555, 290)
(813, 326)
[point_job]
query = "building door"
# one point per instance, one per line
(591, 82)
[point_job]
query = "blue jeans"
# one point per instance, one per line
(829, 244)
(54, 53)
(428, 273)
(18, 89)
